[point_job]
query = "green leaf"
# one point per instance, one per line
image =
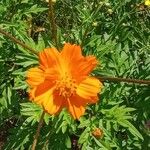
(84, 136)
(84, 123)
(32, 111)
(68, 142)
(132, 129)
(102, 144)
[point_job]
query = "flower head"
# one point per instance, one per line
(61, 80)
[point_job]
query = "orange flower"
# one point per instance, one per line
(98, 133)
(61, 80)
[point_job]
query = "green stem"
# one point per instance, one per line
(53, 23)
(17, 41)
(38, 131)
(115, 79)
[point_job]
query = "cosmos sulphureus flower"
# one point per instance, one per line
(62, 80)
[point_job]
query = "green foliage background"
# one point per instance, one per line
(118, 33)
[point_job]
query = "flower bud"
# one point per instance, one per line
(97, 133)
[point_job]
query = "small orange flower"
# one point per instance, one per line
(97, 132)
(61, 80)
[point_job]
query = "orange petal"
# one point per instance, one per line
(35, 76)
(49, 57)
(84, 67)
(32, 93)
(43, 87)
(48, 102)
(40, 89)
(88, 65)
(89, 88)
(71, 53)
(72, 56)
(57, 97)
(76, 106)
(52, 74)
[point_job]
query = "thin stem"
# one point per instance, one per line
(17, 41)
(115, 79)
(38, 131)
(52, 23)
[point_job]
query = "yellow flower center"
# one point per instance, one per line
(66, 86)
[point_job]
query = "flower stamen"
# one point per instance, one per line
(66, 86)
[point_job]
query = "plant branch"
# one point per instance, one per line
(52, 23)
(38, 131)
(115, 79)
(17, 41)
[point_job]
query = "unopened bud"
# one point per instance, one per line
(97, 133)
(107, 4)
(110, 11)
(94, 24)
